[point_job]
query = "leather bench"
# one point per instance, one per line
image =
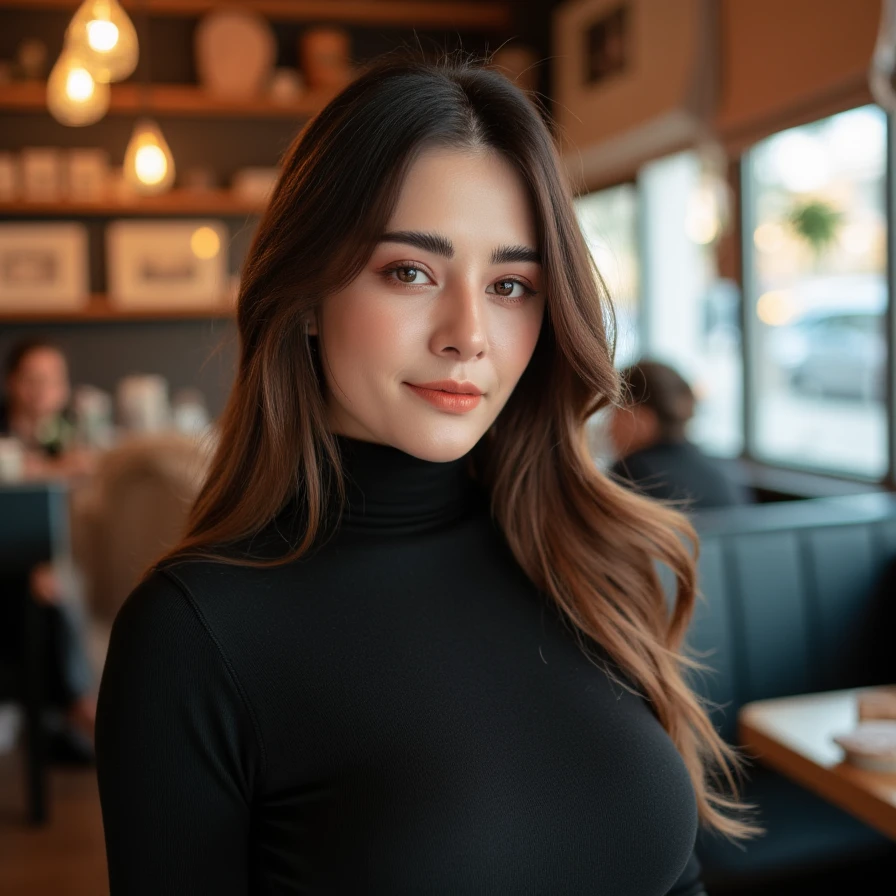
(799, 597)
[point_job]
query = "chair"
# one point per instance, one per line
(135, 509)
(33, 530)
(794, 598)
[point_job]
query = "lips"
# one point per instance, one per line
(451, 386)
(451, 402)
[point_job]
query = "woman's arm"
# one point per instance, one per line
(177, 755)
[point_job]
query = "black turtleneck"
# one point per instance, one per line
(400, 712)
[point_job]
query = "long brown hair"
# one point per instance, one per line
(585, 541)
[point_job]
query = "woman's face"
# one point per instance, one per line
(453, 291)
(39, 387)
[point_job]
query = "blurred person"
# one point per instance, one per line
(653, 454)
(35, 412)
(413, 640)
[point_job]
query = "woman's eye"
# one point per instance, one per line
(512, 289)
(408, 274)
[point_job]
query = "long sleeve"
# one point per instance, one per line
(399, 711)
(177, 752)
(690, 883)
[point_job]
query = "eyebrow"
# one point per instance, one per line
(441, 245)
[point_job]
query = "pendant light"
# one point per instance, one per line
(148, 162)
(74, 96)
(102, 30)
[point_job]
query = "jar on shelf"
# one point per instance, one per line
(235, 53)
(325, 57)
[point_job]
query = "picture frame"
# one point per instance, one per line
(633, 80)
(43, 267)
(172, 265)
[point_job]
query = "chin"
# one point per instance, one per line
(440, 445)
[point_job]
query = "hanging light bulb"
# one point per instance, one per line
(102, 30)
(148, 163)
(74, 96)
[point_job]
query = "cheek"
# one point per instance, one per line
(513, 338)
(360, 326)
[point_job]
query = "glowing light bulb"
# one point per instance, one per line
(106, 36)
(102, 36)
(74, 96)
(205, 243)
(148, 163)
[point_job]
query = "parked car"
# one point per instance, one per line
(837, 350)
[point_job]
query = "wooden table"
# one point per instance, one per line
(793, 736)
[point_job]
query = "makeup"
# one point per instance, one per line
(452, 402)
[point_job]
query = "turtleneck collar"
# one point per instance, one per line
(392, 492)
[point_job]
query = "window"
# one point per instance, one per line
(692, 316)
(815, 274)
(608, 222)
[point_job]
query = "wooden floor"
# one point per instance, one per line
(66, 857)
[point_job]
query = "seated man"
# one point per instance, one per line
(653, 453)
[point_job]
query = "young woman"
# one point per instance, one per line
(413, 641)
(34, 411)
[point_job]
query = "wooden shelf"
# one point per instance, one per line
(168, 99)
(99, 309)
(486, 14)
(177, 202)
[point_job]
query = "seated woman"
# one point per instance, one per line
(413, 641)
(35, 411)
(653, 453)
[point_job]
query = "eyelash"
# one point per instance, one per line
(405, 265)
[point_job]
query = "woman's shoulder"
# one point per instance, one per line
(193, 585)
(184, 609)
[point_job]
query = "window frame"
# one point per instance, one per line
(811, 480)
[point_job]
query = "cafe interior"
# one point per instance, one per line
(733, 167)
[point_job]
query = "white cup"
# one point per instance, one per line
(12, 459)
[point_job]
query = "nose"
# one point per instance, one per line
(460, 329)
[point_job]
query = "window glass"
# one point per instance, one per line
(692, 316)
(816, 205)
(608, 219)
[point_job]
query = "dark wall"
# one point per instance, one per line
(200, 354)
(195, 353)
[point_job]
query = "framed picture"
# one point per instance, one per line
(633, 80)
(607, 45)
(43, 267)
(169, 264)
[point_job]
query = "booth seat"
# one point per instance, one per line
(798, 597)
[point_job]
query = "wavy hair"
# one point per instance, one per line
(585, 541)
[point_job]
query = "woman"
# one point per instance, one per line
(400, 647)
(35, 413)
(653, 453)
